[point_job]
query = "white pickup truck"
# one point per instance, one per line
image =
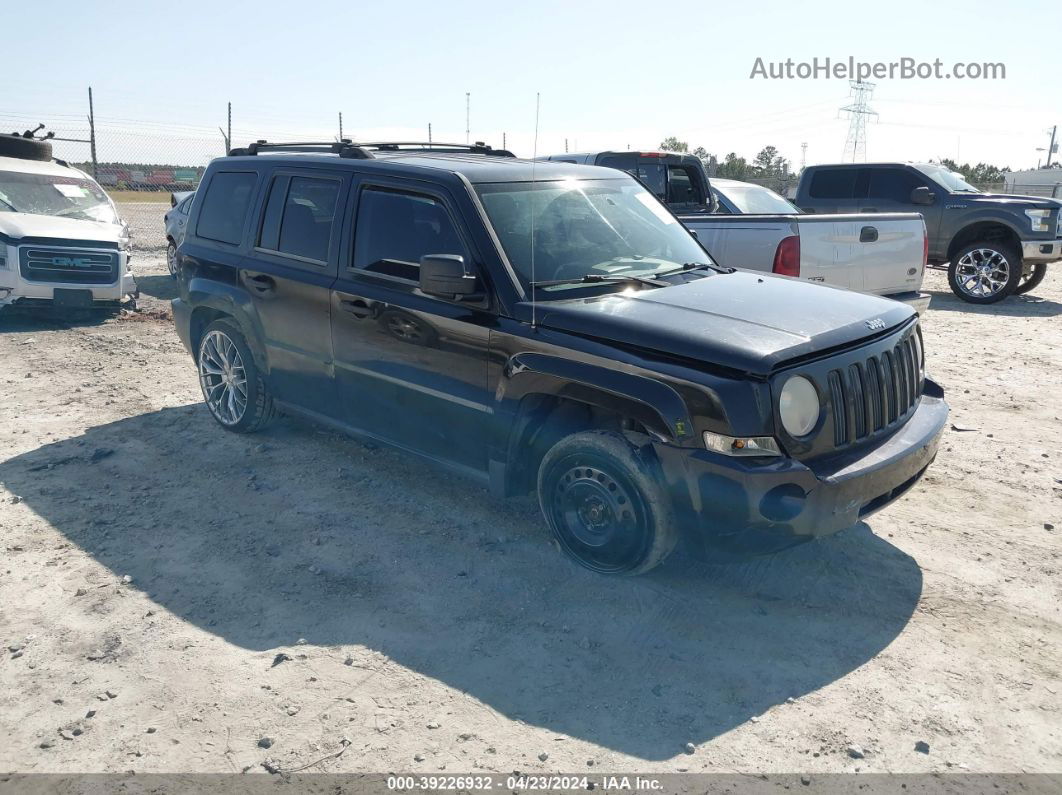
(755, 228)
(751, 227)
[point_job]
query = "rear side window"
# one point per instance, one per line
(299, 216)
(395, 229)
(836, 183)
(653, 174)
(893, 184)
(225, 206)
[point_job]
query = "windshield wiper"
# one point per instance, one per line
(14, 209)
(697, 266)
(599, 278)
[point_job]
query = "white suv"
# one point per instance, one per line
(61, 240)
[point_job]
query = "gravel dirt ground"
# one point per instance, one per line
(177, 598)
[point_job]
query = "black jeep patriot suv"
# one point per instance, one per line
(550, 328)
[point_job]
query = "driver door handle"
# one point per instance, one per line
(356, 307)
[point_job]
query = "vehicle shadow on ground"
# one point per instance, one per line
(1013, 306)
(164, 287)
(18, 319)
(298, 533)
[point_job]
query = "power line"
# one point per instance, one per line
(855, 148)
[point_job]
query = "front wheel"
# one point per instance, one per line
(233, 388)
(605, 505)
(1031, 277)
(983, 273)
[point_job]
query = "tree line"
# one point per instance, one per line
(768, 163)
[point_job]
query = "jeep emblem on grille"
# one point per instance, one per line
(875, 324)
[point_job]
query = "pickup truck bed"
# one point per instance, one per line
(881, 254)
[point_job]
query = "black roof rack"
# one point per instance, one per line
(362, 151)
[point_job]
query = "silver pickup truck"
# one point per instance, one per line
(752, 227)
(755, 228)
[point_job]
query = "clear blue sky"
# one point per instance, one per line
(610, 74)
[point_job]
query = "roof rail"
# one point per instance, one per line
(343, 148)
(347, 148)
(478, 148)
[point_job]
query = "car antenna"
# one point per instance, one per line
(534, 156)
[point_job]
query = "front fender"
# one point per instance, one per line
(655, 405)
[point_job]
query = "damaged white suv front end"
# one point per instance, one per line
(61, 240)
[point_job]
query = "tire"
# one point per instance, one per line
(221, 358)
(1029, 283)
(604, 504)
(24, 148)
(983, 272)
(171, 258)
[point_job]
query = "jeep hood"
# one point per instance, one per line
(14, 227)
(743, 321)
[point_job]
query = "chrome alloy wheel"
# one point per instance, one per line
(223, 378)
(982, 272)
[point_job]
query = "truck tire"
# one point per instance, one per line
(1032, 280)
(984, 272)
(605, 505)
(24, 148)
(233, 389)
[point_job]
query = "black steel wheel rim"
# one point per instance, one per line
(599, 516)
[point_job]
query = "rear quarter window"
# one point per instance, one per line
(224, 212)
(833, 183)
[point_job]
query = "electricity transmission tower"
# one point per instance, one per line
(855, 148)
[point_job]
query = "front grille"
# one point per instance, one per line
(872, 395)
(68, 265)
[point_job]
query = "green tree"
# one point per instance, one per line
(673, 144)
(734, 167)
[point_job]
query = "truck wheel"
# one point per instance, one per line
(233, 389)
(1031, 279)
(983, 273)
(605, 505)
(25, 148)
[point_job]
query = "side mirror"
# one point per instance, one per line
(922, 195)
(444, 275)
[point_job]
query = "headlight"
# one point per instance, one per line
(1040, 220)
(798, 406)
(125, 238)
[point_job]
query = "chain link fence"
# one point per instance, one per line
(142, 164)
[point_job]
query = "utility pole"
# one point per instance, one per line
(1050, 147)
(429, 133)
(340, 125)
(91, 131)
(504, 145)
(468, 104)
(228, 135)
(855, 148)
(803, 155)
(565, 146)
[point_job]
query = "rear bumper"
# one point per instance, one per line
(1041, 250)
(752, 508)
(919, 302)
(182, 316)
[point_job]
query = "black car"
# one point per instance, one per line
(550, 328)
(992, 244)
